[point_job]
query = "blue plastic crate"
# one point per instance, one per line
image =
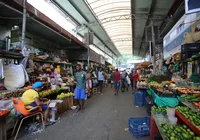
(139, 98)
(139, 127)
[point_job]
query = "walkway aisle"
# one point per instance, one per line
(105, 118)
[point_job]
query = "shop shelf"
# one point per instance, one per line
(139, 127)
(188, 123)
(191, 106)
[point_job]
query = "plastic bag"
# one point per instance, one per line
(14, 76)
(128, 80)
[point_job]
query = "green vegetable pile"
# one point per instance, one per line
(178, 132)
(190, 98)
(191, 115)
(162, 110)
(64, 95)
(50, 92)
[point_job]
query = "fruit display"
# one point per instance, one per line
(178, 132)
(191, 115)
(162, 110)
(142, 85)
(187, 91)
(164, 91)
(197, 104)
(14, 93)
(190, 98)
(50, 92)
(156, 86)
(64, 95)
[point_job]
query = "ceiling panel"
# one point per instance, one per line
(108, 13)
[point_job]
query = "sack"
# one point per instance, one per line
(14, 76)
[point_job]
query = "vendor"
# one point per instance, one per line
(31, 99)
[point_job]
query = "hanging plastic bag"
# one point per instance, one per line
(24, 62)
(14, 76)
(128, 80)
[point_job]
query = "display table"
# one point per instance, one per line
(163, 101)
(156, 119)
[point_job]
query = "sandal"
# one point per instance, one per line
(49, 123)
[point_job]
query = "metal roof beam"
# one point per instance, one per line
(119, 17)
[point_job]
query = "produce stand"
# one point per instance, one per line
(182, 130)
(156, 119)
(163, 101)
(188, 123)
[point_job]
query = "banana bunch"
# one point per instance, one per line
(50, 92)
(64, 95)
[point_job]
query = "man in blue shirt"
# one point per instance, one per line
(80, 78)
(100, 80)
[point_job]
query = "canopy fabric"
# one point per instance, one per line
(145, 63)
(111, 67)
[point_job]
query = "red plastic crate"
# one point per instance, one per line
(188, 123)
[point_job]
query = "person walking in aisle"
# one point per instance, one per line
(131, 78)
(80, 78)
(135, 79)
(112, 78)
(117, 77)
(100, 76)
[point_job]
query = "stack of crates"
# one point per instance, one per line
(154, 132)
(139, 127)
(140, 98)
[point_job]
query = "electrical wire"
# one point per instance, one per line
(1, 17)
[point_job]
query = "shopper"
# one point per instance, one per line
(89, 83)
(112, 78)
(80, 78)
(100, 76)
(135, 80)
(31, 99)
(131, 78)
(123, 78)
(117, 77)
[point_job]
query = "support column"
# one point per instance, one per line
(24, 24)
(153, 47)
(88, 56)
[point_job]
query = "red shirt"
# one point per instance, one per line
(117, 76)
(135, 77)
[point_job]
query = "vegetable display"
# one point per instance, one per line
(50, 92)
(64, 95)
(159, 109)
(191, 115)
(178, 132)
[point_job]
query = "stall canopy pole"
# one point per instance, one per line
(153, 47)
(88, 56)
(24, 24)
